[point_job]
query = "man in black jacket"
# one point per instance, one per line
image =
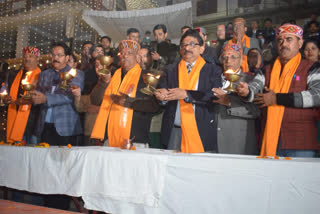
(163, 53)
(177, 95)
(209, 53)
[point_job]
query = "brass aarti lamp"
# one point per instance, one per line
(151, 80)
(66, 77)
(232, 77)
(27, 86)
(105, 61)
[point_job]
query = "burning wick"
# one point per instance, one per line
(155, 76)
(66, 77)
(25, 80)
(27, 86)
(2, 95)
(73, 72)
(229, 71)
(4, 92)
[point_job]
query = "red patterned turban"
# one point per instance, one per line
(290, 29)
(32, 50)
(129, 44)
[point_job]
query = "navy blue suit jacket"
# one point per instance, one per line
(210, 77)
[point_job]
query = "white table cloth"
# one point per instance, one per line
(159, 182)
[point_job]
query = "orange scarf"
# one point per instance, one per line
(119, 118)
(244, 64)
(190, 139)
(275, 112)
(17, 120)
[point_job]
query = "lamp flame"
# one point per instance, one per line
(4, 92)
(230, 71)
(25, 80)
(155, 76)
(73, 72)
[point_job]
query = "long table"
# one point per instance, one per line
(160, 182)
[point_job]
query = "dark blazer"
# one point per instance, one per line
(251, 34)
(90, 79)
(210, 55)
(210, 77)
(144, 107)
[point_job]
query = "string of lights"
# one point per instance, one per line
(39, 23)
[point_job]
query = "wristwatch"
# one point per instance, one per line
(187, 99)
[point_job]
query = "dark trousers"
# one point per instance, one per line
(50, 135)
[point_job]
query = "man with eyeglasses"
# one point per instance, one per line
(188, 123)
(125, 112)
(58, 122)
(235, 117)
(95, 51)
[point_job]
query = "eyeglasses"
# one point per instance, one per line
(192, 44)
(98, 51)
(232, 57)
(58, 55)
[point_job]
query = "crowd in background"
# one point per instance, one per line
(158, 53)
(92, 111)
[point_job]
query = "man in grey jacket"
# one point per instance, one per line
(235, 117)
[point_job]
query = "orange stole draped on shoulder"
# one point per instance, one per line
(244, 64)
(280, 83)
(190, 138)
(119, 118)
(17, 120)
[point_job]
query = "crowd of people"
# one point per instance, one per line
(193, 108)
(271, 110)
